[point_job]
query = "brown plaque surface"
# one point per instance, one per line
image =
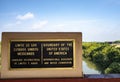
(41, 55)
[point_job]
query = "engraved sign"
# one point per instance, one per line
(41, 54)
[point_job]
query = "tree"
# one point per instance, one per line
(113, 68)
(117, 41)
(103, 55)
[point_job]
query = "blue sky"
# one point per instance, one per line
(98, 20)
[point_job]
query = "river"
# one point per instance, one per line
(88, 70)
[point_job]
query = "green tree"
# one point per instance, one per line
(114, 54)
(113, 68)
(103, 55)
(117, 41)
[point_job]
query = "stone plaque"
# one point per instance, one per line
(41, 55)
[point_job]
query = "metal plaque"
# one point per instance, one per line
(41, 54)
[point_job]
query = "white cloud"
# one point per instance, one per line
(80, 23)
(18, 22)
(11, 25)
(28, 15)
(40, 24)
(60, 25)
(93, 30)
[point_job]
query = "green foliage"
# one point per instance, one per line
(103, 55)
(113, 68)
(114, 54)
(118, 41)
(87, 48)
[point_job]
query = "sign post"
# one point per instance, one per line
(41, 55)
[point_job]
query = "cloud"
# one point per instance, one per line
(40, 24)
(93, 30)
(60, 25)
(11, 25)
(18, 22)
(28, 15)
(80, 23)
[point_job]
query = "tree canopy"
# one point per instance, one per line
(105, 56)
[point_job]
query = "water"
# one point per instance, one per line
(88, 70)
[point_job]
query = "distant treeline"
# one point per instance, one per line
(118, 41)
(113, 42)
(105, 56)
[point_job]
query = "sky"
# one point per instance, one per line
(98, 20)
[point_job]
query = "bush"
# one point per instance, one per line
(103, 55)
(113, 68)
